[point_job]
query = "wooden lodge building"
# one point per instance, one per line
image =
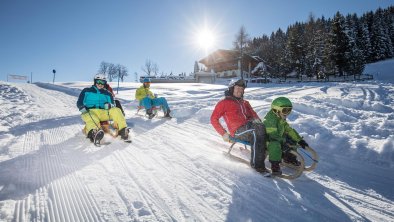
(227, 63)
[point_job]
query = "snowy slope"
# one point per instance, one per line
(175, 170)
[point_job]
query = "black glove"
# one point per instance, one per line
(303, 144)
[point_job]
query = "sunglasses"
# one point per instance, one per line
(286, 110)
(101, 82)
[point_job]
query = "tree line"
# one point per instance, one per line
(112, 71)
(341, 45)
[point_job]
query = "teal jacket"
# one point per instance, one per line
(93, 98)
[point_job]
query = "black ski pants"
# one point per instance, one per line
(254, 133)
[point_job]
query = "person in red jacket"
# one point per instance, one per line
(117, 102)
(242, 122)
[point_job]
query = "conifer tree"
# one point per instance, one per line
(296, 48)
(339, 44)
(196, 68)
(380, 39)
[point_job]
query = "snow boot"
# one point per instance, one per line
(262, 170)
(275, 168)
(167, 114)
(291, 159)
(150, 113)
(95, 136)
(124, 134)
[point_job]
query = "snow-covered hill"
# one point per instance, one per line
(175, 170)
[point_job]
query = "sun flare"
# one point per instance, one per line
(205, 39)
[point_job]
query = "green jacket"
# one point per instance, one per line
(142, 92)
(277, 129)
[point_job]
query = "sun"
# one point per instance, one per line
(205, 39)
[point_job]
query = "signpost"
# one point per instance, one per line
(18, 77)
(54, 72)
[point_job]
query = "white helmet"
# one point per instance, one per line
(100, 76)
(237, 82)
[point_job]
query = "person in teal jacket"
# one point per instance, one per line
(97, 104)
(279, 133)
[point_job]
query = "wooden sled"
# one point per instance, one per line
(108, 128)
(289, 171)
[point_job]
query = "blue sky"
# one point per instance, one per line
(74, 37)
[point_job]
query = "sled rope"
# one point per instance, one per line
(93, 120)
(308, 155)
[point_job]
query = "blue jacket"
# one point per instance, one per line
(93, 98)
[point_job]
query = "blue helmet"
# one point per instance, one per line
(146, 80)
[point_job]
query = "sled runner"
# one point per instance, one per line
(155, 111)
(289, 171)
(106, 128)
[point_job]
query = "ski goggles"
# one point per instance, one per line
(285, 110)
(101, 82)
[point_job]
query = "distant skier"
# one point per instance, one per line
(97, 104)
(279, 134)
(242, 122)
(148, 100)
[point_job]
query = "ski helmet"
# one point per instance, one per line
(282, 105)
(235, 82)
(100, 78)
(146, 80)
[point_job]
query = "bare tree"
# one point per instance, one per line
(136, 76)
(123, 72)
(241, 38)
(241, 41)
(155, 69)
(103, 67)
(148, 67)
(112, 72)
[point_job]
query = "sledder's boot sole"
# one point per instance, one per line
(98, 137)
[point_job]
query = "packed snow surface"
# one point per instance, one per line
(175, 170)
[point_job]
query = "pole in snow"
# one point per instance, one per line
(117, 90)
(54, 72)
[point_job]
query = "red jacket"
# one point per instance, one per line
(109, 88)
(236, 113)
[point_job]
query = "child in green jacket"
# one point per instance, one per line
(278, 131)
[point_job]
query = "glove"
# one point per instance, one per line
(257, 121)
(303, 144)
(83, 110)
(107, 106)
(226, 137)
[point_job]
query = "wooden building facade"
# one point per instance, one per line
(227, 63)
